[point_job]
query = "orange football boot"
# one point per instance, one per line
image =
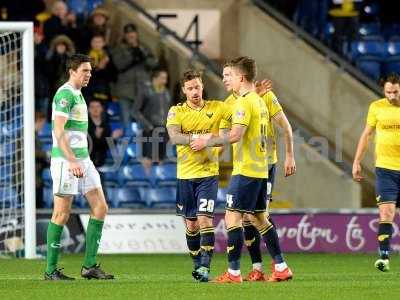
(284, 275)
(228, 278)
(255, 275)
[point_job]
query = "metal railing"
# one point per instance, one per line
(319, 46)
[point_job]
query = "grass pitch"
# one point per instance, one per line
(316, 276)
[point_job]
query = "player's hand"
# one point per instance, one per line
(264, 86)
(357, 172)
(76, 169)
(198, 144)
(290, 166)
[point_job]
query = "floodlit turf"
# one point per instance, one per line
(316, 276)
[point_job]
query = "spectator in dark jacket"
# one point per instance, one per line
(61, 22)
(40, 158)
(99, 129)
(150, 110)
(132, 60)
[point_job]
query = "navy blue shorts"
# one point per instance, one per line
(196, 197)
(270, 181)
(247, 194)
(387, 186)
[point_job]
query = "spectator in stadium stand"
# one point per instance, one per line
(41, 81)
(103, 69)
(97, 24)
(61, 47)
(40, 158)
(150, 110)
(61, 22)
(132, 61)
(99, 129)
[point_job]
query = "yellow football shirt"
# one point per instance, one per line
(250, 153)
(385, 118)
(204, 163)
(274, 107)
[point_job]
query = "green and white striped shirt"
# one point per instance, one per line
(69, 102)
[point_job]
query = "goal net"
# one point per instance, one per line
(17, 153)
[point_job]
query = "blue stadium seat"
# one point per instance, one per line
(133, 175)
(132, 152)
(109, 193)
(46, 176)
(164, 175)
(80, 201)
(48, 197)
(45, 132)
(372, 45)
(116, 125)
(127, 197)
(114, 111)
(391, 65)
(46, 147)
(393, 47)
(132, 129)
(369, 29)
(9, 197)
(164, 197)
(370, 65)
(109, 175)
(5, 175)
(221, 198)
(7, 150)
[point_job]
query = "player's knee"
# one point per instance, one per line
(386, 214)
(100, 211)
(233, 219)
(205, 222)
(60, 217)
(192, 226)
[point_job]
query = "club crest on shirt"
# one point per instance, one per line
(63, 102)
(209, 114)
(171, 115)
(240, 114)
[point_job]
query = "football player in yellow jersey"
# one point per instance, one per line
(197, 184)
(278, 117)
(384, 120)
(247, 191)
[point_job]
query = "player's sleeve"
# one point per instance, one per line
(241, 113)
(272, 103)
(173, 117)
(371, 118)
(226, 121)
(63, 100)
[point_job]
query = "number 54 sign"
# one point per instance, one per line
(200, 27)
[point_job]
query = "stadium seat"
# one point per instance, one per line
(221, 198)
(372, 45)
(5, 175)
(80, 201)
(127, 197)
(133, 175)
(7, 150)
(164, 197)
(109, 175)
(391, 65)
(8, 197)
(45, 132)
(369, 29)
(164, 175)
(393, 47)
(48, 197)
(132, 152)
(132, 129)
(114, 111)
(116, 125)
(46, 147)
(370, 65)
(46, 176)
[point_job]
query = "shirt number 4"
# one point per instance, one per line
(206, 205)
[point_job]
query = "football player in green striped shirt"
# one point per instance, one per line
(73, 172)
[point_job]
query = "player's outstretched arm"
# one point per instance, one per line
(62, 141)
(282, 121)
(361, 149)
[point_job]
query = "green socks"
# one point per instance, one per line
(53, 246)
(93, 236)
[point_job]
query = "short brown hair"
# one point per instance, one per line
(246, 65)
(393, 78)
(74, 61)
(190, 75)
